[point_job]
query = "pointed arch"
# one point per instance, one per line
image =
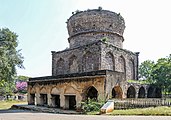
(60, 66)
(110, 62)
(131, 92)
(141, 92)
(32, 90)
(43, 96)
(55, 91)
(151, 92)
(122, 64)
(43, 90)
(73, 64)
(154, 92)
(88, 64)
(131, 69)
(158, 93)
(70, 90)
(92, 93)
(117, 92)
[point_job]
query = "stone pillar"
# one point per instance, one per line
(62, 101)
(124, 92)
(66, 106)
(146, 92)
(101, 93)
(49, 97)
(38, 100)
(137, 55)
(78, 102)
(31, 99)
(28, 98)
(136, 93)
(52, 101)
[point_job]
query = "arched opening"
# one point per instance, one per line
(110, 64)
(151, 92)
(88, 62)
(117, 92)
(55, 93)
(131, 92)
(70, 97)
(141, 93)
(60, 66)
(73, 65)
(122, 64)
(43, 97)
(158, 93)
(32, 100)
(92, 93)
(132, 70)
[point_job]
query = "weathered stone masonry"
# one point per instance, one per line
(94, 66)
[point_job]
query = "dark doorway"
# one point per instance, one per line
(92, 93)
(72, 102)
(117, 92)
(151, 92)
(43, 98)
(141, 93)
(56, 101)
(158, 93)
(32, 99)
(113, 93)
(131, 92)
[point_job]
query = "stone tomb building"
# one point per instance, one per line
(94, 66)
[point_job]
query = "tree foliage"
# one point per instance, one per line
(22, 78)
(159, 73)
(145, 69)
(10, 57)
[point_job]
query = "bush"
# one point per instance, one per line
(91, 105)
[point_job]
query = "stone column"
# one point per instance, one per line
(62, 101)
(29, 98)
(78, 102)
(137, 55)
(101, 93)
(49, 97)
(38, 100)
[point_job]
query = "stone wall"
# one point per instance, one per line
(115, 79)
(119, 59)
(81, 59)
(95, 56)
(71, 86)
(91, 25)
(90, 37)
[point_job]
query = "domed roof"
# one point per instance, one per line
(95, 20)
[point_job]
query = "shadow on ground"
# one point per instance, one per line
(16, 111)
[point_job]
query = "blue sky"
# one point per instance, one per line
(41, 27)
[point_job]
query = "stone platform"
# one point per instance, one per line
(44, 109)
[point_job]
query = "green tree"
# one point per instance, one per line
(161, 74)
(145, 70)
(10, 58)
(22, 78)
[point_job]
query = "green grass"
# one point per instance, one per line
(163, 111)
(8, 104)
(152, 111)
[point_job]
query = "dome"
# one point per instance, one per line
(94, 21)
